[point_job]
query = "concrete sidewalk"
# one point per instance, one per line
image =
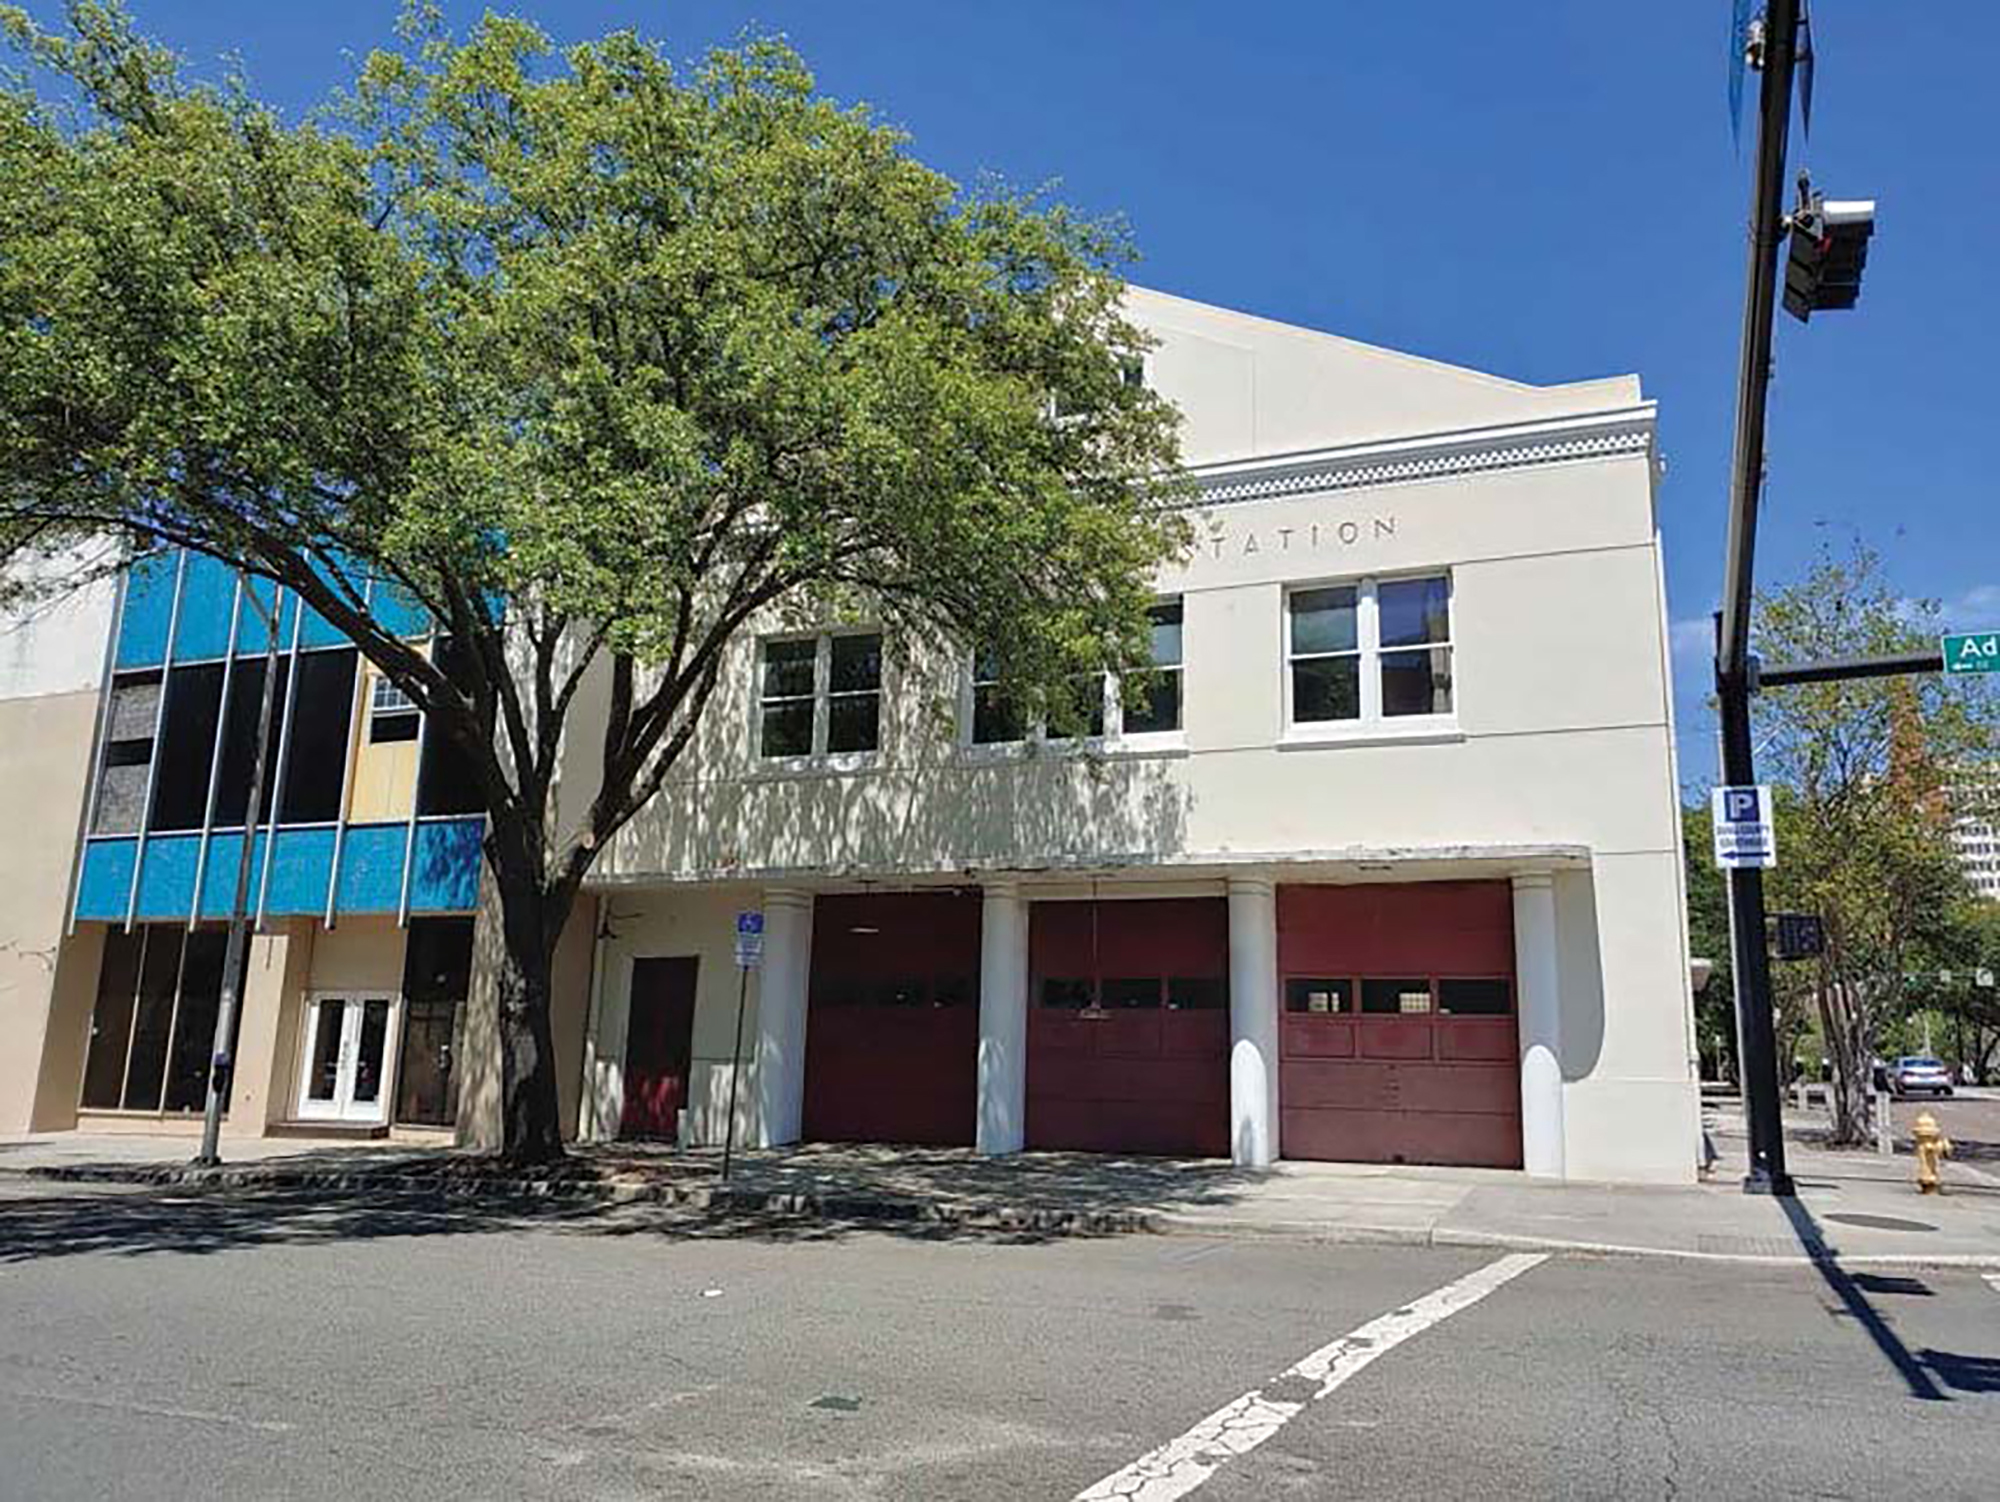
(1855, 1208)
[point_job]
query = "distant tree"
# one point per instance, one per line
(599, 361)
(1708, 939)
(1863, 769)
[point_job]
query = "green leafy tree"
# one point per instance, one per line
(1708, 939)
(599, 360)
(1865, 769)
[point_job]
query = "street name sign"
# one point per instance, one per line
(749, 940)
(1744, 837)
(1972, 652)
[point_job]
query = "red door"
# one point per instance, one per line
(892, 1031)
(659, 1046)
(1128, 1026)
(1399, 1037)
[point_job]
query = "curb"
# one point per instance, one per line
(903, 1210)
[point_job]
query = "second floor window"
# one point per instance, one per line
(392, 714)
(1099, 708)
(1371, 651)
(819, 695)
(1161, 710)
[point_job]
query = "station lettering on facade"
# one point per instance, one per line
(1307, 537)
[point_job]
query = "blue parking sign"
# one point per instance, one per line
(1745, 838)
(749, 939)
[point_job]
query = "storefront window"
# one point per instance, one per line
(152, 1030)
(437, 976)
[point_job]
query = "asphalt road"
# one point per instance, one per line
(164, 1345)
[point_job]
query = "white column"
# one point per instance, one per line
(1003, 1019)
(1253, 1020)
(1537, 986)
(781, 1015)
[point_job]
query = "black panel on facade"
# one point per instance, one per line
(111, 1021)
(239, 741)
(316, 761)
(437, 974)
(159, 978)
(445, 783)
(194, 1021)
(186, 747)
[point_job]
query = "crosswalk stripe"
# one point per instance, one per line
(1184, 1463)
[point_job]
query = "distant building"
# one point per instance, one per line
(1975, 833)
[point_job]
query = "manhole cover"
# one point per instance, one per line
(1882, 1222)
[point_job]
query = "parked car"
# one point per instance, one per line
(1914, 1075)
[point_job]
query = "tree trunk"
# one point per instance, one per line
(1847, 1046)
(530, 1116)
(520, 921)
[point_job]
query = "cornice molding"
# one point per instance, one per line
(1596, 435)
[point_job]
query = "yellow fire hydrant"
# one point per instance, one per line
(1933, 1147)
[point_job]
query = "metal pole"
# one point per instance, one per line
(1763, 1108)
(1756, 1030)
(735, 1070)
(222, 1064)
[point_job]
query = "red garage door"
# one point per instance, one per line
(892, 1037)
(1398, 1032)
(1128, 1026)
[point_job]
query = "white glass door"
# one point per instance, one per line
(350, 1041)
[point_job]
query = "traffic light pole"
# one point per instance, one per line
(1756, 1028)
(1756, 1034)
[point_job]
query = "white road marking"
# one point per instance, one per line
(1993, 1281)
(153, 1410)
(1180, 1465)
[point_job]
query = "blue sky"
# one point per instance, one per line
(1547, 190)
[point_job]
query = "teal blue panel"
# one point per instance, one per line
(106, 883)
(371, 869)
(317, 631)
(218, 877)
(252, 636)
(148, 613)
(397, 611)
(166, 878)
(301, 867)
(444, 875)
(208, 589)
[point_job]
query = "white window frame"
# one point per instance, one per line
(822, 703)
(1371, 724)
(1114, 739)
(386, 696)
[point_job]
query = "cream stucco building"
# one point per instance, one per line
(1386, 868)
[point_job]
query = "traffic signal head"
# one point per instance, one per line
(1829, 247)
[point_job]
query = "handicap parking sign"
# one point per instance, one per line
(749, 939)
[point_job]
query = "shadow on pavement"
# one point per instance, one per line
(200, 1220)
(1916, 1371)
